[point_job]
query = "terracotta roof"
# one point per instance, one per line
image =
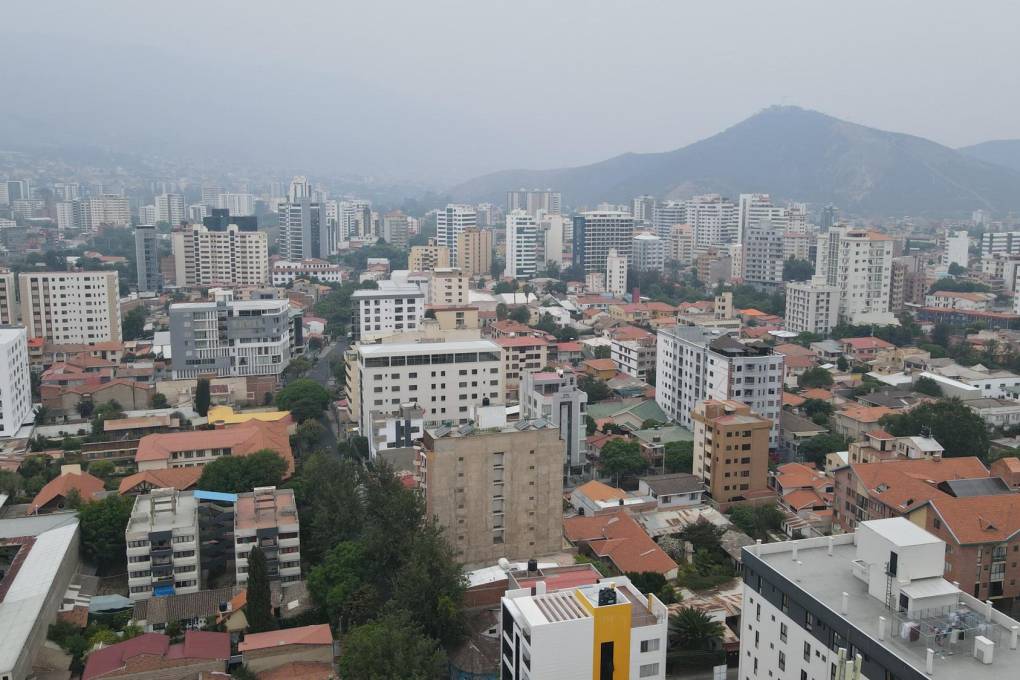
(520, 342)
(601, 364)
(817, 393)
(619, 537)
(178, 478)
(792, 399)
(800, 362)
(751, 311)
(804, 498)
(792, 350)
(866, 343)
(153, 651)
(306, 635)
(597, 491)
(568, 346)
(905, 484)
(801, 476)
(629, 333)
(242, 439)
(865, 414)
(299, 670)
(87, 485)
(973, 297)
(1012, 463)
(980, 519)
(879, 434)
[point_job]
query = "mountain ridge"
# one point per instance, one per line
(794, 154)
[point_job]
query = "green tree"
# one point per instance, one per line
(926, 385)
(259, 610)
(520, 314)
(702, 535)
(620, 458)
(102, 524)
(603, 352)
(959, 430)
(10, 483)
(111, 410)
(590, 425)
(133, 324)
(691, 629)
(817, 410)
(392, 647)
(502, 311)
(430, 585)
(341, 585)
(814, 449)
(956, 270)
(815, 377)
(596, 389)
(310, 435)
(103, 469)
(504, 287)
(159, 400)
(304, 398)
(679, 456)
(240, 474)
(941, 335)
(842, 364)
(202, 397)
(327, 488)
(798, 270)
(757, 521)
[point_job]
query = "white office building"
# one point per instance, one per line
(449, 380)
(450, 222)
(714, 221)
(71, 307)
(552, 230)
(694, 364)
(647, 253)
(555, 396)
(212, 257)
(15, 380)
(616, 274)
(1000, 243)
(522, 245)
(811, 306)
(390, 309)
(859, 263)
(871, 605)
(170, 208)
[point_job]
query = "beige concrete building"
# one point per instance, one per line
(522, 354)
(497, 491)
(8, 299)
(427, 258)
(267, 518)
(474, 251)
(203, 257)
(448, 286)
(731, 449)
(71, 307)
(455, 317)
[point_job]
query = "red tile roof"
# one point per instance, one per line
(601, 364)
(980, 519)
(86, 485)
(568, 346)
(299, 670)
(306, 635)
(904, 484)
(866, 343)
(152, 651)
(617, 536)
(242, 439)
(177, 478)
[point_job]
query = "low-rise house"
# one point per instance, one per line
(996, 412)
(994, 384)
(54, 496)
(64, 402)
(266, 651)
(566, 352)
(616, 536)
(191, 611)
(795, 429)
(973, 302)
(677, 490)
(801, 487)
(196, 448)
(150, 655)
(595, 498)
(601, 369)
(1007, 469)
(828, 351)
(854, 422)
(864, 350)
(180, 478)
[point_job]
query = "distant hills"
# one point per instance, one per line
(793, 154)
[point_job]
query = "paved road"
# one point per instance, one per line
(320, 372)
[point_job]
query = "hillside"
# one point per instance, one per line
(793, 154)
(1004, 152)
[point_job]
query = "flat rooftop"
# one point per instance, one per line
(398, 348)
(827, 578)
(184, 513)
(265, 510)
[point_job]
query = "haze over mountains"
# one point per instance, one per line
(793, 154)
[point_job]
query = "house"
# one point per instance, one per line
(272, 649)
(677, 490)
(54, 495)
(595, 498)
(794, 429)
(150, 655)
(972, 302)
(827, 351)
(616, 536)
(198, 447)
(601, 369)
(64, 401)
(864, 350)
(1008, 469)
(996, 412)
(801, 487)
(180, 478)
(854, 422)
(190, 610)
(566, 352)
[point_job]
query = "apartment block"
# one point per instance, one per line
(858, 263)
(429, 257)
(714, 221)
(390, 309)
(447, 379)
(694, 364)
(395, 228)
(605, 630)
(267, 518)
(731, 450)
(8, 298)
(15, 381)
(304, 231)
(448, 287)
(150, 279)
(534, 201)
(450, 222)
(598, 232)
(763, 252)
(616, 274)
(496, 489)
(71, 307)
(811, 306)
(474, 251)
(555, 397)
(162, 545)
(648, 253)
(213, 257)
(106, 210)
(871, 604)
(230, 337)
(522, 245)
(196, 448)
(521, 355)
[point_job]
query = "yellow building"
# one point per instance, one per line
(228, 416)
(428, 258)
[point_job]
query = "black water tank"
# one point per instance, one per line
(532, 566)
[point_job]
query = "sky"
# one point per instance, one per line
(439, 91)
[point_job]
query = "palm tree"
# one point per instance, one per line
(692, 629)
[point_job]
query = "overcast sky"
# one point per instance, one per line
(443, 90)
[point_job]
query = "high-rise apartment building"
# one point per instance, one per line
(212, 257)
(668, 214)
(643, 210)
(15, 381)
(150, 279)
(239, 205)
(450, 222)
(957, 248)
(211, 195)
(647, 253)
(496, 491)
(474, 251)
(71, 215)
(551, 230)
(763, 252)
(1000, 243)
(106, 210)
(731, 450)
(390, 309)
(8, 298)
(829, 218)
(521, 245)
(395, 229)
(596, 233)
(163, 546)
(811, 306)
(694, 364)
(449, 380)
(605, 630)
(267, 518)
(228, 337)
(304, 231)
(874, 604)
(299, 190)
(859, 263)
(534, 201)
(170, 208)
(428, 257)
(714, 220)
(616, 274)
(71, 307)
(755, 208)
(355, 220)
(16, 190)
(555, 396)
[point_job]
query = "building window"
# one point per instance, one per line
(648, 670)
(782, 660)
(782, 632)
(650, 645)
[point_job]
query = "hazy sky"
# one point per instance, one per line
(443, 90)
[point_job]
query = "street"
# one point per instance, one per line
(320, 372)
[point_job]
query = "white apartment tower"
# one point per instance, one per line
(714, 221)
(238, 204)
(106, 210)
(163, 546)
(668, 214)
(231, 257)
(533, 201)
(648, 253)
(71, 307)
(811, 306)
(616, 274)
(762, 252)
(170, 208)
(694, 364)
(305, 233)
(8, 298)
(957, 248)
(15, 381)
(390, 309)
(522, 245)
(556, 397)
(859, 263)
(451, 221)
(643, 210)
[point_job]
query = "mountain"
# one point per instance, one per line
(793, 154)
(1004, 152)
